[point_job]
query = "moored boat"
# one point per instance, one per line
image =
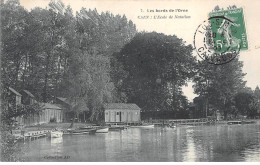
(116, 128)
(240, 122)
(102, 130)
(143, 126)
(81, 131)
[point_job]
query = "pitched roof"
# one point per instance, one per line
(62, 99)
(65, 100)
(50, 106)
(28, 93)
(122, 106)
(14, 91)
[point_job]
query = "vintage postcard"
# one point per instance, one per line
(130, 81)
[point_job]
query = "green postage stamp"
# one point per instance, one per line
(228, 30)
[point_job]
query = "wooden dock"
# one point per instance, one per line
(240, 122)
(30, 135)
(200, 121)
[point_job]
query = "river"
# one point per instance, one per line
(184, 143)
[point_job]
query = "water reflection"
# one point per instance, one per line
(56, 146)
(184, 143)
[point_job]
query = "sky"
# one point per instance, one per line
(198, 11)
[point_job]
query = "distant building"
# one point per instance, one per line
(14, 100)
(66, 106)
(122, 113)
(68, 114)
(27, 97)
(50, 113)
(14, 97)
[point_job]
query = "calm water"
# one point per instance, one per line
(185, 143)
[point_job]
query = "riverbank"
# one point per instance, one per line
(63, 126)
(41, 129)
(51, 126)
(212, 143)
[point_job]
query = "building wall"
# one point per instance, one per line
(53, 113)
(44, 117)
(33, 119)
(18, 100)
(67, 115)
(127, 116)
(27, 100)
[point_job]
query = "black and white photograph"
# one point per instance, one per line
(130, 81)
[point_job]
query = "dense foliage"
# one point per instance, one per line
(223, 88)
(53, 53)
(151, 71)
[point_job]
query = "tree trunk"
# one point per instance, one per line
(46, 79)
(25, 70)
(225, 114)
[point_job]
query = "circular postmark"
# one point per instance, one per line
(213, 41)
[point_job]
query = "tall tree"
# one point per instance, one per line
(14, 20)
(156, 67)
(219, 83)
(257, 99)
(246, 104)
(88, 80)
(42, 50)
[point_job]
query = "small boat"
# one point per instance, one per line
(81, 131)
(248, 122)
(144, 126)
(234, 122)
(102, 130)
(239, 122)
(55, 134)
(86, 127)
(116, 128)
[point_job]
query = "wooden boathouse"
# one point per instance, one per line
(122, 113)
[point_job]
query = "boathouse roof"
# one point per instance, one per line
(29, 93)
(14, 91)
(65, 100)
(50, 106)
(122, 106)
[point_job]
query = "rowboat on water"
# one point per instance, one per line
(143, 126)
(116, 128)
(102, 129)
(240, 122)
(81, 131)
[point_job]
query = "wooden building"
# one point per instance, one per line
(14, 100)
(65, 104)
(50, 113)
(14, 97)
(122, 113)
(68, 113)
(27, 97)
